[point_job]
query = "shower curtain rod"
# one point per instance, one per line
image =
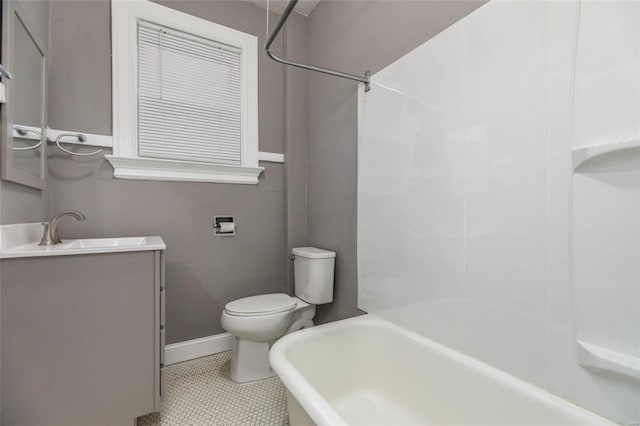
(267, 47)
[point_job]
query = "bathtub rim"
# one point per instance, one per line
(321, 412)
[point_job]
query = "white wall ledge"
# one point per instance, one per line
(271, 157)
(181, 171)
(106, 141)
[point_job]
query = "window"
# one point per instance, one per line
(184, 97)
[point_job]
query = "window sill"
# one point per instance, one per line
(181, 171)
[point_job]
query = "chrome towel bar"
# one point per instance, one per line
(24, 131)
(81, 138)
(267, 47)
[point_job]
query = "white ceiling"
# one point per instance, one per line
(303, 7)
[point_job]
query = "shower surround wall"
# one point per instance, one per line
(203, 272)
(465, 192)
(354, 36)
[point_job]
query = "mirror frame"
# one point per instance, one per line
(12, 10)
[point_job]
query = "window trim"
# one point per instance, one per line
(125, 160)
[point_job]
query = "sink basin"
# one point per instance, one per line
(100, 243)
(22, 240)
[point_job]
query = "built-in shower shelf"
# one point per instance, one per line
(607, 359)
(581, 155)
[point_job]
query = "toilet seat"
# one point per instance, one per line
(264, 304)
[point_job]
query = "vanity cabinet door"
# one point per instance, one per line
(80, 339)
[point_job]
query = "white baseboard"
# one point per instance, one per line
(196, 348)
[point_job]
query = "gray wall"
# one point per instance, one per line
(310, 117)
(80, 66)
(203, 272)
(20, 203)
(353, 36)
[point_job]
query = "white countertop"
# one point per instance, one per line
(21, 240)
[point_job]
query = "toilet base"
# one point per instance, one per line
(250, 361)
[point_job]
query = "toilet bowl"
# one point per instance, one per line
(257, 321)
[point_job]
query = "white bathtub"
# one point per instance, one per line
(367, 371)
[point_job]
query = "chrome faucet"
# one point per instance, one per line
(51, 236)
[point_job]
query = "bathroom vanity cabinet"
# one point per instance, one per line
(82, 338)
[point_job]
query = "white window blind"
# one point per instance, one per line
(189, 97)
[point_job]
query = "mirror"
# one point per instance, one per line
(23, 130)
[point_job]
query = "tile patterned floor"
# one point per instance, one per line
(200, 393)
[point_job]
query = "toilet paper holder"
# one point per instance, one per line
(224, 226)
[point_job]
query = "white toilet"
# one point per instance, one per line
(257, 321)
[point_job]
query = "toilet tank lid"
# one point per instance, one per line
(313, 253)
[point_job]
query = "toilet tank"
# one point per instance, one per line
(313, 274)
